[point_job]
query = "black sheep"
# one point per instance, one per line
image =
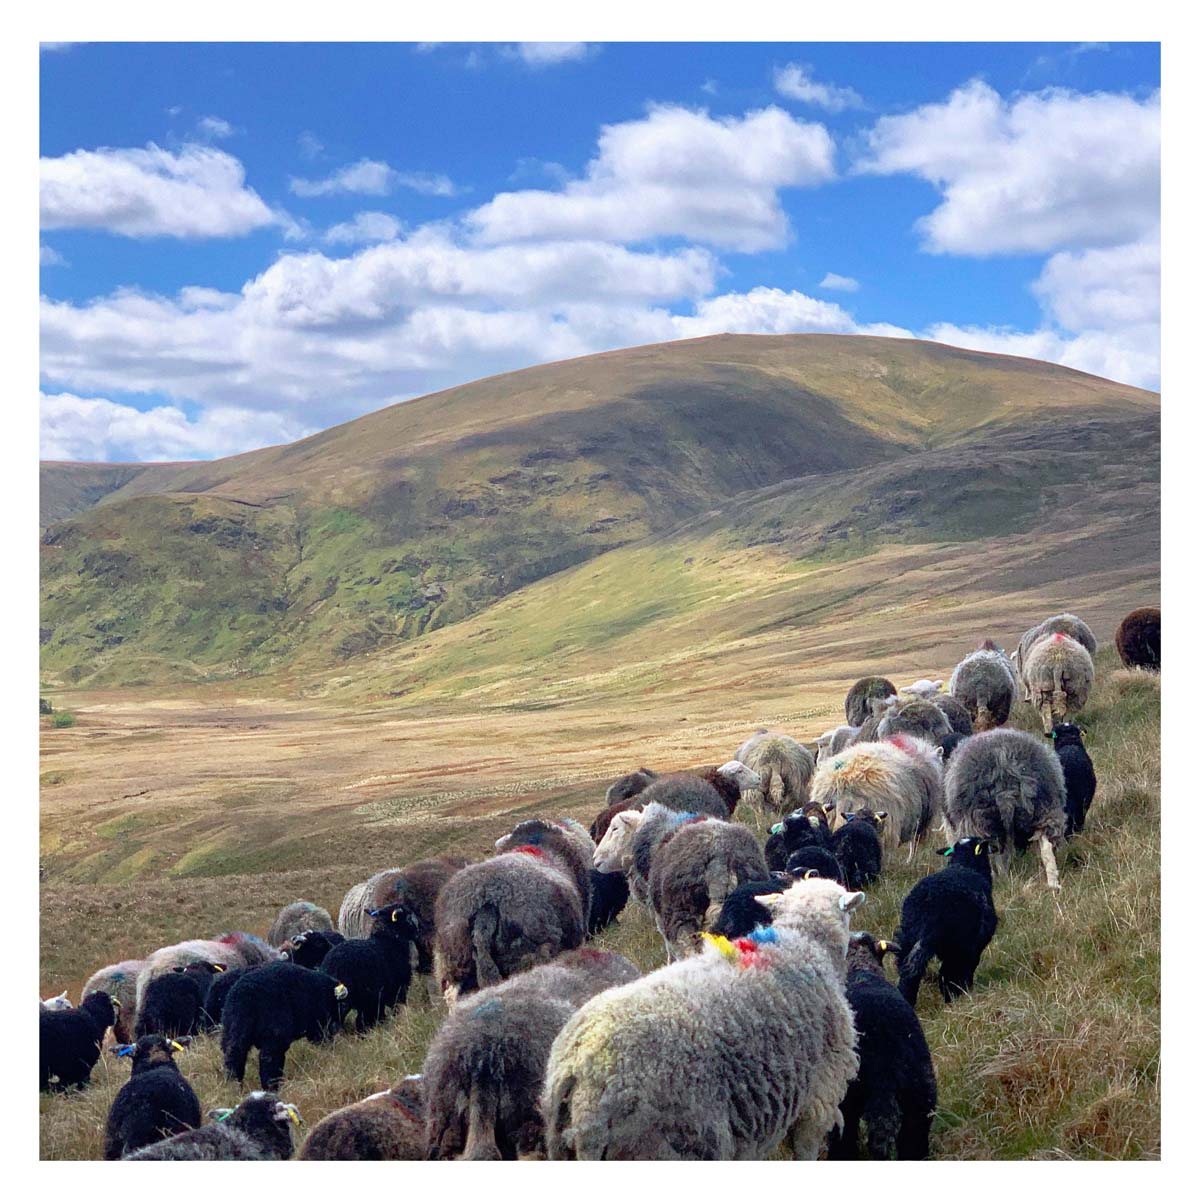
(895, 1090)
(376, 970)
(173, 1002)
(1078, 774)
(742, 912)
(156, 1102)
(610, 894)
(258, 1130)
(219, 987)
(308, 949)
(950, 743)
(69, 1041)
(808, 826)
(857, 848)
(948, 915)
(814, 862)
(271, 1008)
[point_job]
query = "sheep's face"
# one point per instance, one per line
(396, 920)
(745, 778)
(616, 846)
(1065, 733)
(57, 1003)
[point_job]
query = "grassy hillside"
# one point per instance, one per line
(1055, 1055)
(412, 519)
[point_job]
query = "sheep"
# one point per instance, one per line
(808, 826)
(1138, 639)
(566, 841)
(172, 1003)
(895, 1090)
(741, 913)
(860, 695)
(632, 840)
(732, 780)
(812, 862)
(609, 895)
(719, 1055)
(377, 970)
(834, 741)
(948, 915)
(923, 689)
(693, 872)
(219, 987)
(857, 848)
(1066, 623)
(950, 743)
(1079, 775)
(983, 683)
(308, 949)
(604, 818)
(250, 949)
(920, 718)
(120, 981)
(59, 1003)
(388, 1126)
(685, 792)
(156, 1102)
(500, 916)
(1058, 676)
(630, 785)
(165, 960)
(957, 714)
(258, 1130)
(485, 1066)
(295, 918)
(1008, 786)
(786, 768)
(272, 1007)
(69, 1041)
(417, 885)
(900, 777)
(877, 709)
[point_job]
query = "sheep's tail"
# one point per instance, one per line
(557, 1098)
(912, 970)
(484, 928)
(482, 1109)
(774, 787)
(983, 713)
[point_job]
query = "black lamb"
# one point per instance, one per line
(805, 827)
(258, 1130)
(742, 912)
(156, 1102)
(895, 1090)
(308, 949)
(948, 915)
(173, 1002)
(271, 1008)
(219, 987)
(610, 894)
(1078, 774)
(813, 861)
(69, 1041)
(857, 848)
(376, 970)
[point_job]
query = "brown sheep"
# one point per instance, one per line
(1138, 639)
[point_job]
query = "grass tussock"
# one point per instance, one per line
(1054, 1056)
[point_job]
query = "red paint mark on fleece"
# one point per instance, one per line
(535, 851)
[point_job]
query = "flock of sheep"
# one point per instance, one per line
(771, 1021)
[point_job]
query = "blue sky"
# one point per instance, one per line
(243, 243)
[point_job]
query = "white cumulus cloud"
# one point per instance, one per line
(838, 283)
(370, 177)
(795, 81)
(677, 171)
(366, 227)
(195, 192)
(215, 127)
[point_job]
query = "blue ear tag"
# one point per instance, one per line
(125, 1051)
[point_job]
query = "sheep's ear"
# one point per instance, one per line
(287, 1112)
(829, 807)
(881, 817)
(499, 840)
(940, 751)
(811, 873)
(219, 1114)
(851, 900)
(886, 947)
(395, 914)
(770, 899)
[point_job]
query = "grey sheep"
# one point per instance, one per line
(506, 914)
(485, 1066)
(629, 785)
(1066, 623)
(901, 777)
(785, 767)
(120, 982)
(295, 918)
(259, 1129)
(566, 838)
(721, 1055)
(983, 683)
(632, 840)
(685, 792)
(1007, 786)
(834, 741)
(386, 1127)
(918, 718)
(957, 714)
(693, 872)
(860, 695)
(1058, 678)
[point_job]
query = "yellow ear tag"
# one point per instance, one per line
(176, 1046)
(293, 1116)
(979, 848)
(811, 873)
(882, 947)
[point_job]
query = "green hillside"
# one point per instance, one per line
(413, 518)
